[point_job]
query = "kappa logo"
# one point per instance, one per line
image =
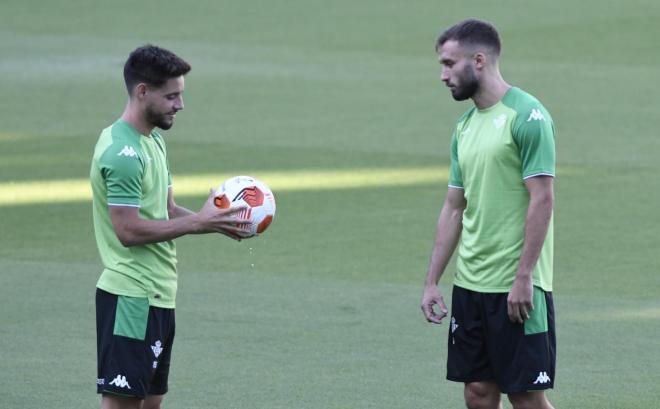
(157, 348)
(536, 115)
(128, 151)
(542, 378)
(120, 381)
(499, 121)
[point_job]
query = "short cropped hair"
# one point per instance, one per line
(153, 66)
(472, 32)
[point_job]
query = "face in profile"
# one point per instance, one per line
(162, 103)
(458, 70)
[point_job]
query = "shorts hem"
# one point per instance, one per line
(469, 379)
(158, 392)
(122, 394)
(522, 389)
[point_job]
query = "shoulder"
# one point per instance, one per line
(119, 146)
(527, 107)
(463, 119)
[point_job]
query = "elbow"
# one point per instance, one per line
(545, 201)
(126, 239)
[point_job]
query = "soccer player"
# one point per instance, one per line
(499, 206)
(135, 221)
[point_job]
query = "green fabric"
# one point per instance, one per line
(493, 150)
(129, 169)
(131, 317)
(538, 317)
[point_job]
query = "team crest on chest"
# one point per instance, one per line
(499, 121)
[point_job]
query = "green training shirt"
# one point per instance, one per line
(492, 152)
(130, 169)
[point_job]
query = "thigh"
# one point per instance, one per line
(467, 354)
(161, 340)
(128, 345)
(522, 356)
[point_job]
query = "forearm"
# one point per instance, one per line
(179, 211)
(538, 218)
(143, 231)
(448, 232)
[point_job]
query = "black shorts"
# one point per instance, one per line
(485, 346)
(134, 345)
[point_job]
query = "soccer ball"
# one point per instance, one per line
(252, 193)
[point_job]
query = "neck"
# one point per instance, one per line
(133, 117)
(491, 90)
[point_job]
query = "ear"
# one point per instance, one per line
(480, 60)
(140, 90)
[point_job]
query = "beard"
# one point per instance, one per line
(158, 120)
(469, 85)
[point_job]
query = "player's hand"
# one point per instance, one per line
(430, 299)
(519, 301)
(224, 221)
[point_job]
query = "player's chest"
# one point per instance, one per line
(486, 138)
(154, 179)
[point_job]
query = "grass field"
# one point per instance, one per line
(323, 310)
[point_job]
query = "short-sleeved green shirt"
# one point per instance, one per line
(492, 152)
(130, 169)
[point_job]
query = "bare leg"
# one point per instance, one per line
(119, 402)
(153, 401)
(529, 400)
(482, 395)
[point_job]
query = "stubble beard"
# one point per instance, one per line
(469, 85)
(158, 120)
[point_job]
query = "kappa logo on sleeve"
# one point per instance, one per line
(536, 115)
(128, 151)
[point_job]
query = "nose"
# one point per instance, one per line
(444, 76)
(178, 105)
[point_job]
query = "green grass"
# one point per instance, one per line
(322, 311)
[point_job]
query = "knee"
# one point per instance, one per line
(481, 396)
(529, 400)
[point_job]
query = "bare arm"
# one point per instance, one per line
(174, 210)
(132, 230)
(448, 232)
(539, 212)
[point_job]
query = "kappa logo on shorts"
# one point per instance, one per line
(120, 381)
(542, 378)
(157, 348)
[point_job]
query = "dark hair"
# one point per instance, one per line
(472, 32)
(153, 66)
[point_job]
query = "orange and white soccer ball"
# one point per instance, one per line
(252, 193)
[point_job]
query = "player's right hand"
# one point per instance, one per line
(224, 221)
(430, 299)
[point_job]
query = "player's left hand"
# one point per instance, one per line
(519, 301)
(431, 298)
